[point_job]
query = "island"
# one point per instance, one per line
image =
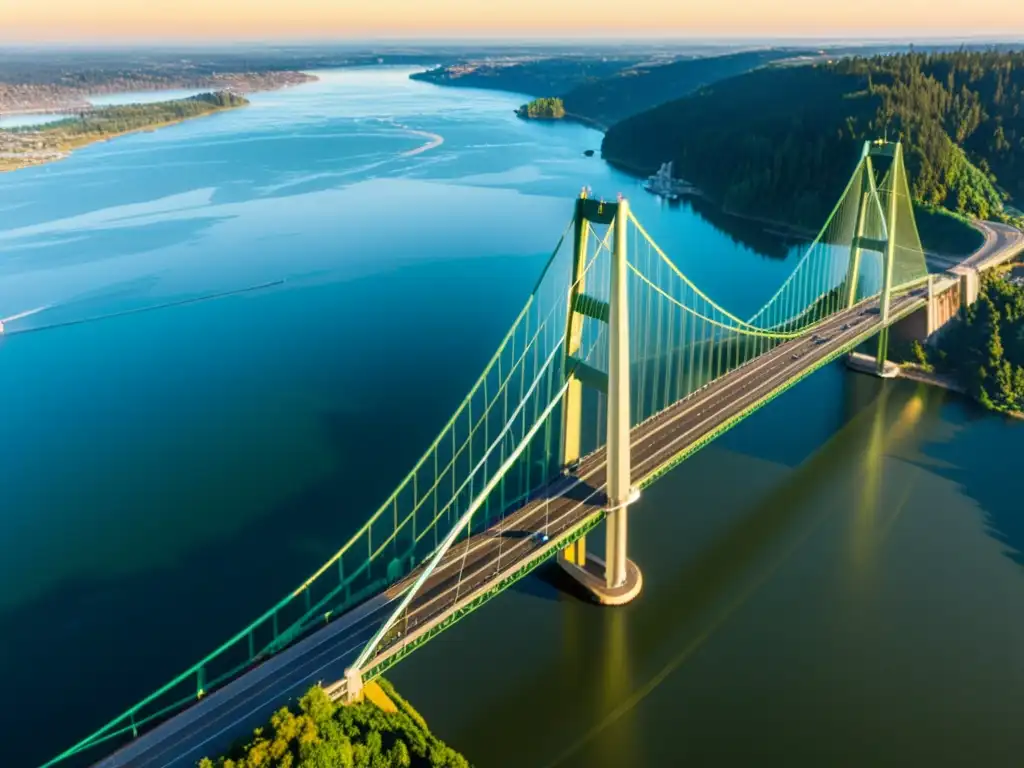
(382, 729)
(23, 147)
(542, 109)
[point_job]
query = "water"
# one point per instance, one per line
(836, 580)
(143, 97)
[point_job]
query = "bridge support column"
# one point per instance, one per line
(353, 684)
(572, 422)
(615, 580)
(853, 271)
(890, 257)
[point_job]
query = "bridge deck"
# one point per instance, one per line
(485, 564)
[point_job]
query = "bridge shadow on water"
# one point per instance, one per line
(981, 461)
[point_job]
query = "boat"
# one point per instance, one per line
(665, 186)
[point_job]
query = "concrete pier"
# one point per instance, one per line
(862, 363)
(591, 577)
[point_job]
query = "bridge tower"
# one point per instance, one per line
(615, 580)
(896, 169)
(893, 151)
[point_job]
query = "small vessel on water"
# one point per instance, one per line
(665, 186)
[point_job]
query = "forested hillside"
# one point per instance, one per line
(636, 89)
(543, 77)
(604, 90)
(781, 142)
(985, 352)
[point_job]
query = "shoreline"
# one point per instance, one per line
(771, 226)
(77, 101)
(914, 372)
(21, 161)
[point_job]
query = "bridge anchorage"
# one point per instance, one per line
(617, 368)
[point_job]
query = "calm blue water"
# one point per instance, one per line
(168, 474)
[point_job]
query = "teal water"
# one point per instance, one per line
(836, 580)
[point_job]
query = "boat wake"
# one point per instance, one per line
(434, 140)
(20, 315)
(125, 312)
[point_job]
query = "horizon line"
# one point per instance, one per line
(469, 40)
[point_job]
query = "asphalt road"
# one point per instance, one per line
(469, 568)
(1001, 242)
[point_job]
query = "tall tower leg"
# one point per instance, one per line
(618, 407)
(890, 257)
(853, 272)
(572, 423)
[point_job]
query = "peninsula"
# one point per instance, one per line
(23, 147)
(72, 93)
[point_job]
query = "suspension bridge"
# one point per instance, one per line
(617, 368)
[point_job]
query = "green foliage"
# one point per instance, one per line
(635, 89)
(943, 231)
(781, 141)
(986, 351)
(543, 109)
(109, 121)
(402, 704)
(322, 734)
(536, 78)
(919, 353)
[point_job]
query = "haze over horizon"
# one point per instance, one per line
(242, 20)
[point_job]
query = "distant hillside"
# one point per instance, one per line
(636, 89)
(602, 90)
(543, 77)
(781, 141)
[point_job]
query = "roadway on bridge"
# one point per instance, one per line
(1002, 242)
(474, 566)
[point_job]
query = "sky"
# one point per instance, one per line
(31, 21)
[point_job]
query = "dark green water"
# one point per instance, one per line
(837, 581)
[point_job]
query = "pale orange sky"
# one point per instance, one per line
(33, 20)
